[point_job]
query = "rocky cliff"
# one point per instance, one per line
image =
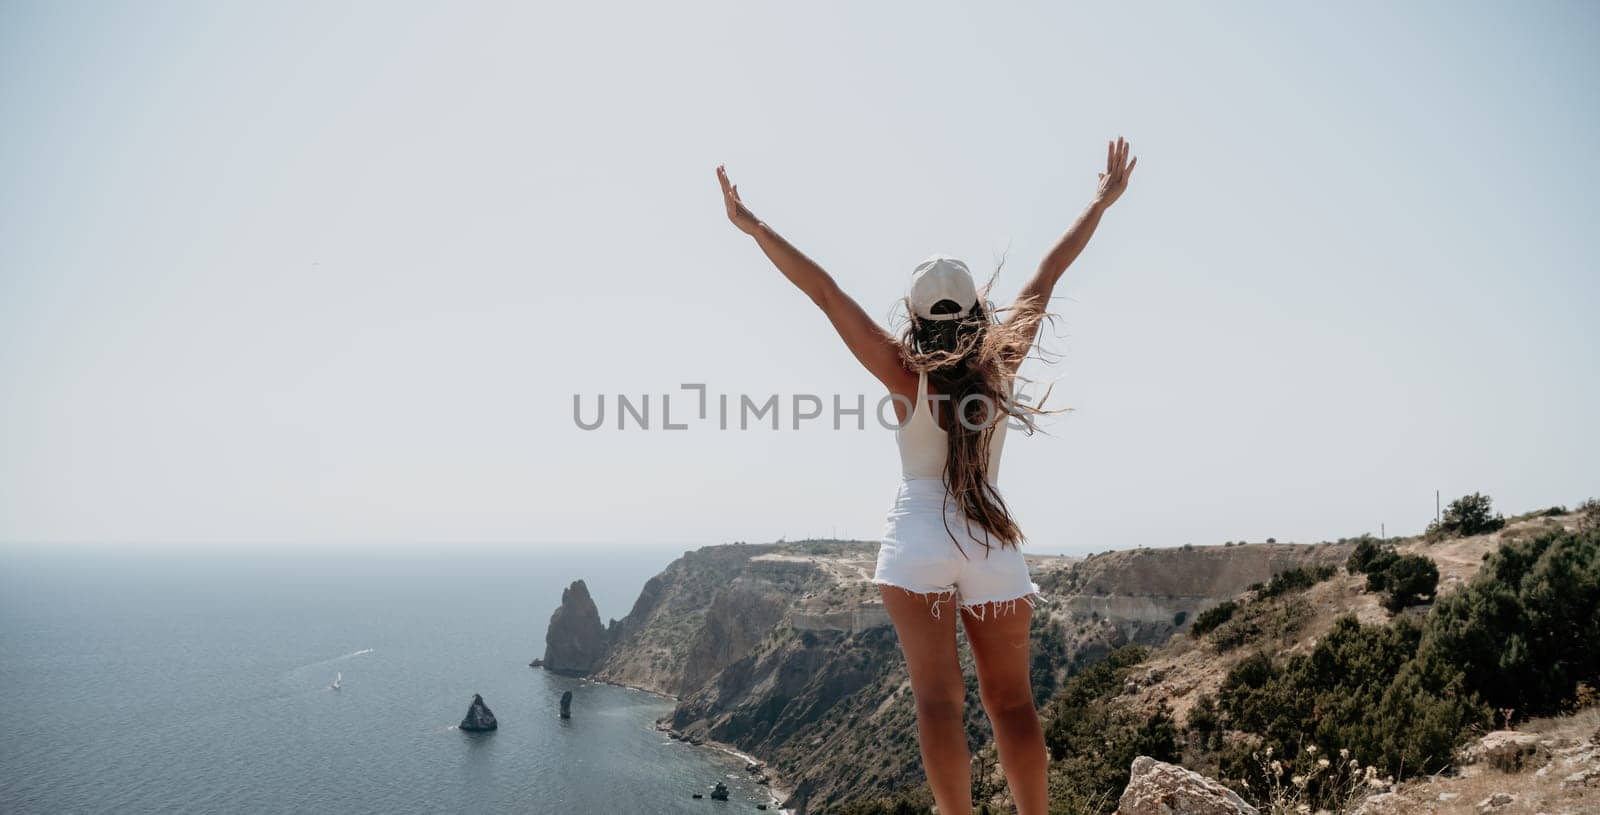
(575, 641)
(710, 608)
(783, 650)
(1143, 596)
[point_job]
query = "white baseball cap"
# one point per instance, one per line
(942, 278)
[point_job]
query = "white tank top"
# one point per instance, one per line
(925, 446)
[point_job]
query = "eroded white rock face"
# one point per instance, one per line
(1159, 788)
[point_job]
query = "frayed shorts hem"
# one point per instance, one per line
(980, 608)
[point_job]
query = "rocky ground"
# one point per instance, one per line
(1545, 766)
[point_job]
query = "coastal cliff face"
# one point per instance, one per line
(575, 642)
(784, 651)
(705, 611)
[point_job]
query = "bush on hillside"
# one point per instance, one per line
(1296, 579)
(1524, 630)
(1050, 651)
(1468, 515)
(1362, 690)
(1407, 579)
(1203, 724)
(1410, 580)
(1401, 696)
(1367, 548)
(1378, 570)
(1589, 515)
(1093, 741)
(1373, 558)
(1263, 622)
(1212, 617)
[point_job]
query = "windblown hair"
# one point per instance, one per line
(973, 361)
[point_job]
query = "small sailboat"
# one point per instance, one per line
(337, 678)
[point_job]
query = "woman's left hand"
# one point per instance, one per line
(1114, 181)
(738, 213)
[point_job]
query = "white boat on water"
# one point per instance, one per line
(337, 678)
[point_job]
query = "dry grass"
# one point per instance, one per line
(1536, 790)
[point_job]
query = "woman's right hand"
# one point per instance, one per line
(738, 213)
(1114, 181)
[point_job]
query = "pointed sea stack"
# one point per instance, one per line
(566, 705)
(575, 642)
(479, 719)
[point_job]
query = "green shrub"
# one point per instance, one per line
(1401, 696)
(1468, 515)
(1525, 629)
(1378, 570)
(1360, 689)
(1589, 515)
(1204, 725)
(1093, 741)
(1050, 651)
(1367, 548)
(1212, 617)
(1296, 579)
(1263, 622)
(1406, 578)
(1409, 579)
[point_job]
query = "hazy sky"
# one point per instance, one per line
(290, 272)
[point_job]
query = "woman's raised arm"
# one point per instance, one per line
(874, 347)
(1034, 298)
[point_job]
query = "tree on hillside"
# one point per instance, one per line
(1468, 515)
(1410, 579)
(1361, 557)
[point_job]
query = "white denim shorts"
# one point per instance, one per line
(917, 554)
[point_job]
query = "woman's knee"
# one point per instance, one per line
(1009, 703)
(941, 706)
(941, 700)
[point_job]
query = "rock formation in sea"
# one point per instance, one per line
(566, 705)
(575, 642)
(479, 718)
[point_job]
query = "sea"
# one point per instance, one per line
(140, 679)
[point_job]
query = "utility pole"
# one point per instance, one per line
(1436, 517)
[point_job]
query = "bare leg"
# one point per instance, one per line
(929, 644)
(1000, 648)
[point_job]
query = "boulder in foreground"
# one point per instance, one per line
(479, 718)
(1159, 788)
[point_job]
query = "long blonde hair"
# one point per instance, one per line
(976, 356)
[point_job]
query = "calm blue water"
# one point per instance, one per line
(194, 681)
